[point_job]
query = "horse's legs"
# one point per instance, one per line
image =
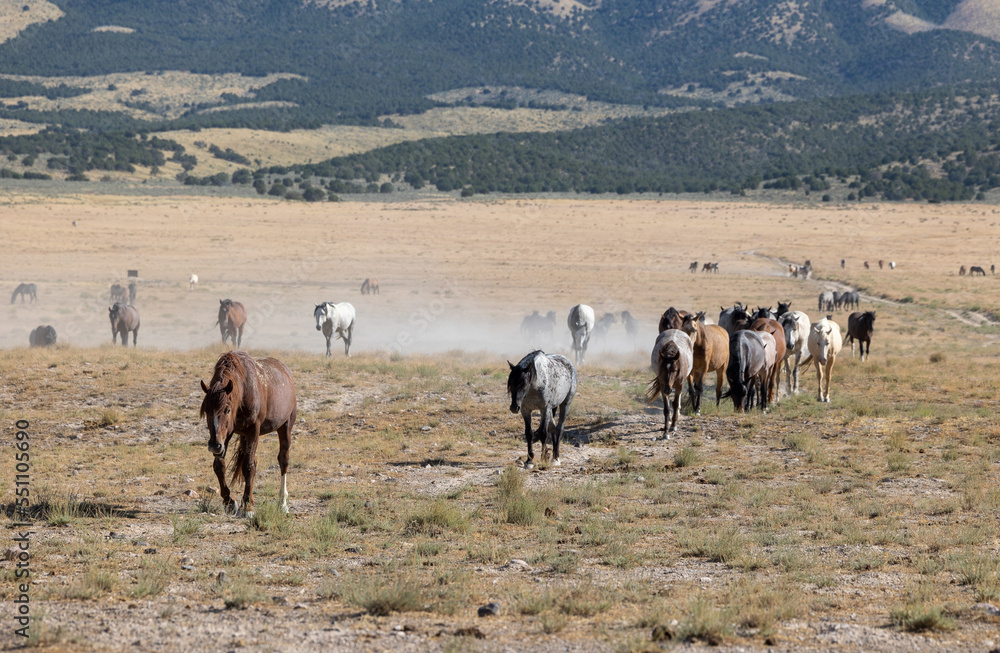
(545, 423)
(219, 466)
(819, 381)
(328, 338)
(347, 340)
(284, 443)
(239, 337)
(526, 414)
(557, 436)
(249, 471)
(135, 336)
(720, 374)
(676, 409)
(827, 379)
(665, 395)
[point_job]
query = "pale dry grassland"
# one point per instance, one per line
(17, 15)
(870, 523)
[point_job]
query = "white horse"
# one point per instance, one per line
(192, 282)
(796, 327)
(581, 325)
(332, 317)
(825, 342)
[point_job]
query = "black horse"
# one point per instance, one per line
(860, 327)
(42, 336)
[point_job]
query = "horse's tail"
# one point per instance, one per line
(805, 361)
(654, 389)
(246, 449)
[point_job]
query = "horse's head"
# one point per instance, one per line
(784, 307)
(821, 336)
(219, 409)
(321, 316)
(114, 313)
(520, 379)
(689, 325)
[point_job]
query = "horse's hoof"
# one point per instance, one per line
(248, 514)
(284, 509)
(555, 462)
(529, 465)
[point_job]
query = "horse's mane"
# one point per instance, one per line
(515, 381)
(231, 367)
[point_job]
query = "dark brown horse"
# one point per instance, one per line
(42, 336)
(124, 318)
(232, 319)
(860, 327)
(23, 289)
(672, 319)
(370, 287)
(248, 397)
(773, 327)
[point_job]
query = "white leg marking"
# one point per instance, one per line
(284, 493)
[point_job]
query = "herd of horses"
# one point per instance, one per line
(975, 270)
(706, 267)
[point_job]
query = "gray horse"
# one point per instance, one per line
(124, 318)
(581, 325)
(542, 382)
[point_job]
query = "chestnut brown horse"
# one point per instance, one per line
(248, 397)
(767, 325)
(711, 354)
(232, 319)
(124, 318)
(860, 327)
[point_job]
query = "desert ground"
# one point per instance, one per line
(870, 523)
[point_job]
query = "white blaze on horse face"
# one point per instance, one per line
(320, 315)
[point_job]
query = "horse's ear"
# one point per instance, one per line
(221, 302)
(511, 365)
(229, 386)
(204, 387)
(701, 317)
(111, 309)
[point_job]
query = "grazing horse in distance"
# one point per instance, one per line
(774, 328)
(734, 319)
(42, 336)
(124, 318)
(961, 271)
(631, 327)
(193, 282)
(23, 289)
(339, 318)
(370, 287)
(232, 319)
(581, 324)
(975, 269)
(880, 264)
(860, 327)
(672, 319)
(746, 368)
(711, 354)
(542, 382)
(796, 327)
(672, 360)
(824, 344)
(249, 398)
(851, 299)
(693, 267)
(133, 290)
(825, 301)
(119, 293)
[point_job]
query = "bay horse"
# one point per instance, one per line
(249, 398)
(672, 359)
(796, 326)
(744, 371)
(581, 324)
(336, 318)
(42, 336)
(370, 287)
(860, 327)
(23, 289)
(711, 354)
(124, 318)
(774, 328)
(232, 319)
(542, 382)
(672, 319)
(824, 344)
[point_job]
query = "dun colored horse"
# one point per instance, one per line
(672, 359)
(232, 319)
(711, 354)
(250, 398)
(370, 287)
(860, 327)
(23, 289)
(124, 318)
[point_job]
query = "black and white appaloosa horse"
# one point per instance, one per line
(581, 325)
(860, 327)
(542, 382)
(42, 336)
(336, 318)
(250, 398)
(672, 359)
(232, 319)
(124, 318)
(23, 289)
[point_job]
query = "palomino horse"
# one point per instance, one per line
(42, 336)
(232, 319)
(672, 359)
(581, 325)
(746, 368)
(250, 398)
(23, 289)
(119, 293)
(773, 327)
(825, 342)
(370, 287)
(860, 327)
(336, 318)
(542, 382)
(711, 354)
(796, 327)
(124, 318)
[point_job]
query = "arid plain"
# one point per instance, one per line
(870, 523)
